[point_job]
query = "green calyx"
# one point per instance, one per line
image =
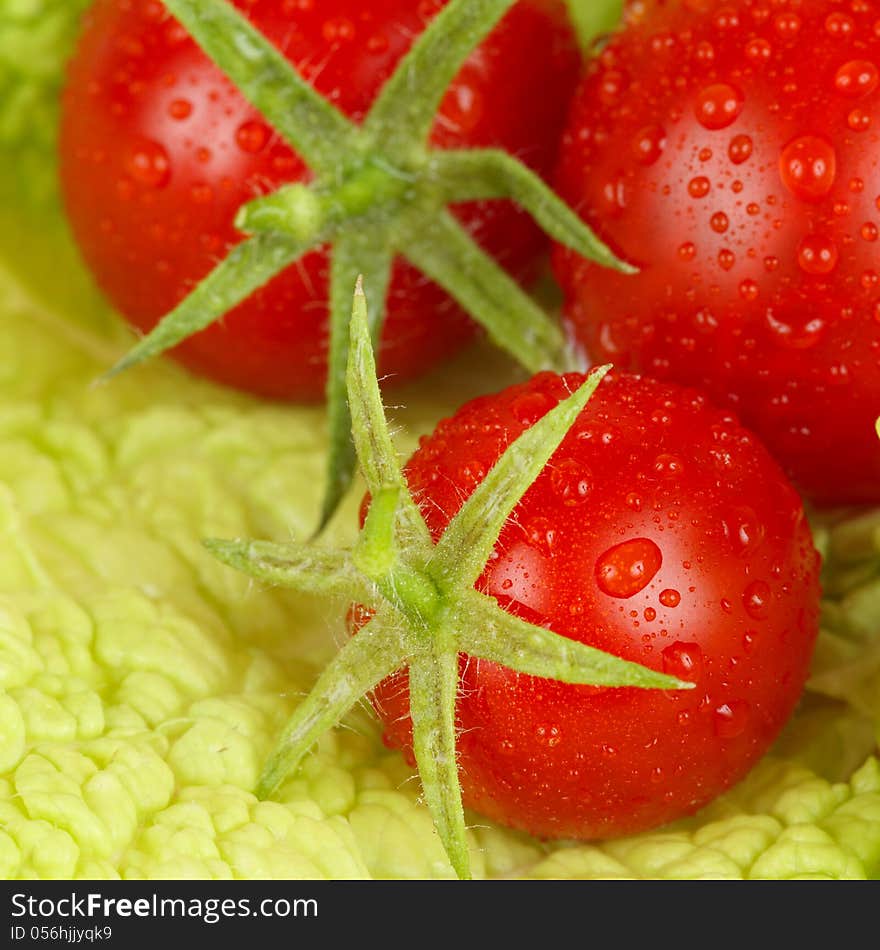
(423, 607)
(379, 178)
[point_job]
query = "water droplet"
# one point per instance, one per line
(252, 136)
(808, 166)
(740, 149)
(648, 144)
(759, 51)
(338, 30)
(869, 231)
(687, 251)
(857, 78)
(180, 109)
(541, 535)
(787, 25)
(148, 164)
(683, 660)
(731, 718)
(799, 330)
(839, 25)
(669, 465)
(572, 481)
(699, 187)
(726, 259)
(744, 530)
(859, 120)
(817, 254)
(670, 598)
(627, 568)
(756, 600)
(650, 614)
(719, 222)
(749, 290)
(718, 106)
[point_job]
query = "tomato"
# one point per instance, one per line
(730, 151)
(661, 531)
(159, 151)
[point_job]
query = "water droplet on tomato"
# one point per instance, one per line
(857, 78)
(869, 231)
(687, 251)
(648, 144)
(627, 568)
(180, 109)
(252, 136)
(859, 120)
(669, 465)
(740, 149)
(650, 614)
(749, 290)
(699, 187)
(541, 535)
(730, 719)
(338, 30)
(787, 25)
(572, 481)
(726, 259)
(756, 600)
(759, 51)
(148, 164)
(683, 660)
(796, 331)
(718, 106)
(817, 254)
(670, 598)
(839, 25)
(808, 166)
(719, 222)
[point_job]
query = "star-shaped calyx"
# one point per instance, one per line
(424, 611)
(378, 191)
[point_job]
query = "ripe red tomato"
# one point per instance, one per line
(159, 151)
(663, 532)
(730, 151)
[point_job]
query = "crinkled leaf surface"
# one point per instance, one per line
(142, 683)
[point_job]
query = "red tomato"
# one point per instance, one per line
(159, 151)
(663, 532)
(730, 151)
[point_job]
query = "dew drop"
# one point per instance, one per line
(148, 164)
(650, 614)
(719, 222)
(756, 600)
(759, 51)
(572, 481)
(699, 187)
(669, 465)
(718, 106)
(627, 568)
(687, 251)
(252, 136)
(740, 149)
(749, 290)
(808, 166)
(648, 144)
(683, 660)
(796, 330)
(857, 78)
(670, 598)
(817, 254)
(180, 109)
(730, 719)
(869, 231)
(859, 120)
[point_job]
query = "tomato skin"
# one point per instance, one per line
(754, 230)
(159, 151)
(680, 513)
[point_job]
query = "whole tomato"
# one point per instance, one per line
(730, 151)
(159, 151)
(661, 531)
